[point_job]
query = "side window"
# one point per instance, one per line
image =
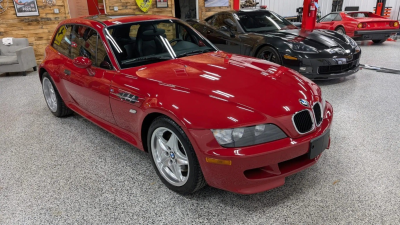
(210, 20)
(338, 18)
(62, 40)
(220, 20)
(329, 17)
(102, 59)
(84, 42)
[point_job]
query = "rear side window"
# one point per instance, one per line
(62, 40)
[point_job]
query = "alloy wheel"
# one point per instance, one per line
(269, 56)
(50, 94)
(170, 156)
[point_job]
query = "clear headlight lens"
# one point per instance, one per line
(300, 47)
(351, 41)
(246, 136)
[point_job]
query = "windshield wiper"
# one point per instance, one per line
(194, 52)
(148, 58)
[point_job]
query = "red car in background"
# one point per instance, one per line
(360, 25)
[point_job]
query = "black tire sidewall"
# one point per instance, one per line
(340, 28)
(192, 182)
(379, 41)
(274, 51)
(58, 97)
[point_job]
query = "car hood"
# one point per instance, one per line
(258, 85)
(320, 39)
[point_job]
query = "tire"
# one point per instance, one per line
(340, 30)
(379, 41)
(173, 157)
(269, 54)
(52, 97)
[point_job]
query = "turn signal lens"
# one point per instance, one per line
(396, 24)
(359, 25)
(289, 57)
(219, 161)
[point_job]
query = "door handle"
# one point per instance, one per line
(67, 72)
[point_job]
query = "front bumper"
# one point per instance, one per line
(374, 34)
(326, 68)
(256, 168)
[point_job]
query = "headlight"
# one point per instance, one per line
(300, 47)
(246, 136)
(351, 41)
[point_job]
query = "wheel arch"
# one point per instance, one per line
(147, 121)
(41, 72)
(154, 114)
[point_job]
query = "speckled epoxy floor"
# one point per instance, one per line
(69, 171)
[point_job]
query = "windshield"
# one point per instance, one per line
(142, 43)
(263, 21)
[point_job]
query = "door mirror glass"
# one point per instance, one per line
(229, 23)
(82, 62)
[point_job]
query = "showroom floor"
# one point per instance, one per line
(57, 171)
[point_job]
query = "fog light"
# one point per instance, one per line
(219, 161)
(303, 68)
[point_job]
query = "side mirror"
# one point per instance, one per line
(82, 62)
(229, 23)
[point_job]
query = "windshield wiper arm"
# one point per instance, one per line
(194, 52)
(140, 59)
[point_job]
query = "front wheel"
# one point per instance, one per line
(379, 41)
(173, 157)
(269, 54)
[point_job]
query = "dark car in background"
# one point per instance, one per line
(320, 54)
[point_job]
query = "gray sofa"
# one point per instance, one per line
(18, 57)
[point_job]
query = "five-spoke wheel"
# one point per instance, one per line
(170, 156)
(173, 156)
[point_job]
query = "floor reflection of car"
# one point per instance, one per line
(204, 116)
(266, 35)
(360, 25)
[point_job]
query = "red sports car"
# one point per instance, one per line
(204, 116)
(360, 25)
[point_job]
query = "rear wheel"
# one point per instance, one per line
(173, 157)
(379, 41)
(340, 30)
(53, 98)
(269, 54)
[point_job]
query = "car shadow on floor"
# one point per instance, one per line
(335, 81)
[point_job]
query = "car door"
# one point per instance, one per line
(89, 88)
(327, 22)
(221, 37)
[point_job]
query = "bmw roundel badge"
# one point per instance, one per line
(303, 102)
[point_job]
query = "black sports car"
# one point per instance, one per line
(320, 54)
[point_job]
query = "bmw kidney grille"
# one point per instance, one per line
(304, 121)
